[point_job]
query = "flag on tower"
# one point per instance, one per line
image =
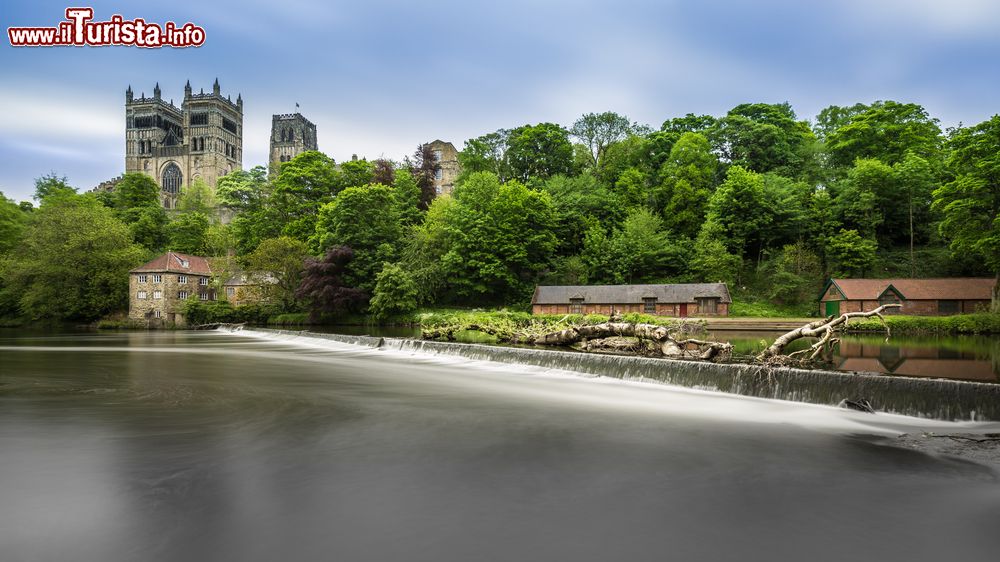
(296, 105)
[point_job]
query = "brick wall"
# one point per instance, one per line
(662, 309)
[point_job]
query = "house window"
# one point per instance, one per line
(182, 278)
(157, 313)
(708, 305)
(203, 281)
(142, 278)
(157, 279)
(182, 294)
(649, 305)
(230, 291)
(203, 296)
(438, 174)
(142, 295)
(185, 263)
(576, 306)
(157, 294)
(949, 307)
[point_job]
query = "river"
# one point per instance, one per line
(209, 446)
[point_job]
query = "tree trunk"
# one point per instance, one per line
(823, 329)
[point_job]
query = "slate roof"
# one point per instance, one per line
(629, 294)
(953, 288)
(173, 262)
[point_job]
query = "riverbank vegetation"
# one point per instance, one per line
(758, 197)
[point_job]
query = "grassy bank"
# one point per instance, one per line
(983, 323)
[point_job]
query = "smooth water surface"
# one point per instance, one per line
(210, 446)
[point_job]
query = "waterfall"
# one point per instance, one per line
(928, 398)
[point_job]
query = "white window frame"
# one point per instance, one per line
(182, 278)
(142, 295)
(231, 291)
(157, 278)
(157, 313)
(157, 294)
(203, 281)
(182, 295)
(143, 278)
(203, 296)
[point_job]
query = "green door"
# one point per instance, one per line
(832, 308)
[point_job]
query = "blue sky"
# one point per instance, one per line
(380, 77)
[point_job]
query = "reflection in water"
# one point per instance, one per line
(972, 358)
(202, 446)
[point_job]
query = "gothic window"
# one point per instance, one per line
(172, 179)
(199, 118)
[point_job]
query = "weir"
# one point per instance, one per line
(941, 399)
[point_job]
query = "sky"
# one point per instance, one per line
(379, 78)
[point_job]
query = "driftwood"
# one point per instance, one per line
(607, 336)
(824, 330)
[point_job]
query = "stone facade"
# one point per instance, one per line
(201, 139)
(158, 289)
(448, 169)
(679, 310)
(291, 135)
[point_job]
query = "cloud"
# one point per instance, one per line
(48, 110)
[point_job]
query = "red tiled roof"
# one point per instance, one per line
(173, 262)
(954, 288)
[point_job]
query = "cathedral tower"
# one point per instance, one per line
(202, 139)
(291, 135)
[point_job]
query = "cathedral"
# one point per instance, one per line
(201, 139)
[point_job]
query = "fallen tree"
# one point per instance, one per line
(824, 330)
(651, 339)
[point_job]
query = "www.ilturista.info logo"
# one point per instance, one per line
(78, 30)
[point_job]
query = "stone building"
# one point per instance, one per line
(291, 135)
(158, 289)
(684, 299)
(244, 288)
(919, 297)
(201, 139)
(447, 167)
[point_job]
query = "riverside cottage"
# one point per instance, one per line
(683, 299)
(158, 289)
(918, 297)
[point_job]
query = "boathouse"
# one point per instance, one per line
(683, 299)
(918, 297)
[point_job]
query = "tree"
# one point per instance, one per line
(970, 203)
(637, 252)
(423, 169)
(406, 194)
(243, 190)
(12, 222)
(301, 187)
(765, 138)
(134, 190)
(712, 261)
(72, 262)
(887, 131)
(738, 208)
(197, 198)
(487, 153)
(324, 287)
(383, 172)
(851, 254)
(597, 131)
(832, 118)
(276, 268)
(499, 238)
(794, 275)
(188, 233)
(395, 292)
(688, 175)
(377, 241)
(52, 185)
(539, 151)
(579, 202)
(354, 173)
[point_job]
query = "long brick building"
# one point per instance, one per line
(919, 297)
(685, 299)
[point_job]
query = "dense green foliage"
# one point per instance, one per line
(757, 197)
